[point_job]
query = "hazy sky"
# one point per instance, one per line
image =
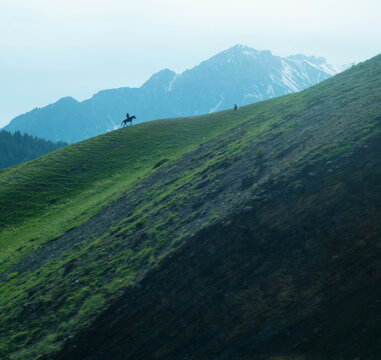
(50, 48)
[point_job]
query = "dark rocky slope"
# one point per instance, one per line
(295, 273)
(291, 267)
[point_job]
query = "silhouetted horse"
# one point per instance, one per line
(128, 119)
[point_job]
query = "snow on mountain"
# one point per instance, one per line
(240, 75)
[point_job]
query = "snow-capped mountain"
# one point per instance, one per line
(240, 75)
(244, 75)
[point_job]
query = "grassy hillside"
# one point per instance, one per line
(46, 197)
(83, 227)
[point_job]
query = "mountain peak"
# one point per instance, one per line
(161, 77)
(66, 100)
(245, 50)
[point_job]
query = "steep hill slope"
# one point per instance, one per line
(239, 75)
(17, 148)
(259, 237)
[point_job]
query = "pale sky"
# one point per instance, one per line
(50, 48)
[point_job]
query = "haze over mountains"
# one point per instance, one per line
(239, 75)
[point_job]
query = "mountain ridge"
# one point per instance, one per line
(237, 75)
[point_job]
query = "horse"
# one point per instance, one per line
(128, 120)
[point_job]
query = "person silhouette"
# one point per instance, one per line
(128, 119)
(235, 107)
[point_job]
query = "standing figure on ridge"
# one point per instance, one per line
(235, 107)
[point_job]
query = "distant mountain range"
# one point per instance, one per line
(239, 75)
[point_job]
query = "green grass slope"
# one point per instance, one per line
(48, 196)
(81, 226)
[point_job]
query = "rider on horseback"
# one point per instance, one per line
(128, 119)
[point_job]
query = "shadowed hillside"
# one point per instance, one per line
(249, 234)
